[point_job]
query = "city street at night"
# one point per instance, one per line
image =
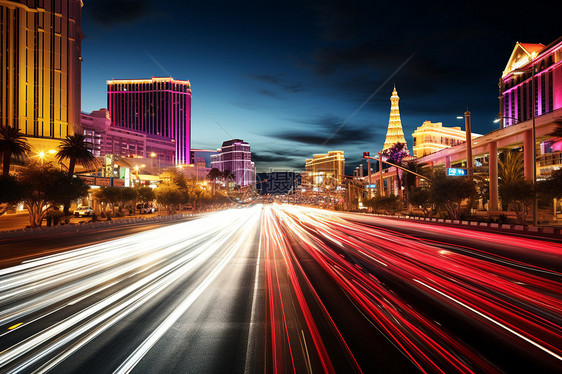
(282, 288)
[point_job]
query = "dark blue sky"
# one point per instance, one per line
(285, 75)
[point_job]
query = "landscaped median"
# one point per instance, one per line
(512, 228)
(44, 230)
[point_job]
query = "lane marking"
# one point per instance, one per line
(15, 326)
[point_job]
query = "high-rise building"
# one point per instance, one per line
(517, 101)
(394, 134)
(325, 169)
(431, 137)
(157, 106)
(235, 156)
(40, 55)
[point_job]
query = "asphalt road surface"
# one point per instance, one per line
(282, 289)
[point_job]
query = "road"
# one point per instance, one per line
(280, 288)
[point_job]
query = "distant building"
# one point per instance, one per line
(235, 156)
(394, 133)
(154, 151)
(159, 107)
(324, 169)
(516, 87)
(203, 156)
(278, 182)
(431, 137)
(40, 57)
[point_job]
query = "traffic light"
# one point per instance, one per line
(365, 154)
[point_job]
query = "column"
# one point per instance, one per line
(447, 162)
(493, 175)
(528, 155)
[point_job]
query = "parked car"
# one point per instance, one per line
(145, 208)
(83, 211)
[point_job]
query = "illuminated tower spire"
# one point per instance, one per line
(394, 134)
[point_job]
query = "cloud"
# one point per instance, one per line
(114, 12)
(270, 94)
(271, 157)
(279, 80)
(328, 130)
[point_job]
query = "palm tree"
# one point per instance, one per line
(77, 151)
(510, 166)
(12, 143)
(213, 175)
(409, 179)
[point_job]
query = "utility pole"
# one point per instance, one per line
(381, 189)
(369, 177)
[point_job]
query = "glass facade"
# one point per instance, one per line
(40, 44)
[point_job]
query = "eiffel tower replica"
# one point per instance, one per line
(394, 134)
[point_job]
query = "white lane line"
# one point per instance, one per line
(493, 321)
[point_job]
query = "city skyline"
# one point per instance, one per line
(286, 76)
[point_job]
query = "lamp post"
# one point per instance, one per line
(468, 133)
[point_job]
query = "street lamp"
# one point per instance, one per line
(497, 120)
(41, 156)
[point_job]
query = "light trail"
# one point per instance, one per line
(367, 262)
(147, 264)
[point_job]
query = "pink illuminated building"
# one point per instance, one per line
(516, 84)
(157, 106)
(235, 156)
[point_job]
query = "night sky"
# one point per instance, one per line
(291, 77)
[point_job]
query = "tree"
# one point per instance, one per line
(409, 179)
(145, 194)
(109, 195)
(10, 193)
(450, 192)
(510, 166)
(519, 197)
(421, 198)
(12, 143)
(385, 204)
(128, 195)
(395, 155)
(77, 151)
(213, 175)
(169, 195)
(44, 188)
(552, 186)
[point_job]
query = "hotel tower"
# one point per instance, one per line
(157, 106)
(40, 59)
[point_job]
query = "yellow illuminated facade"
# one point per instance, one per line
(40, 69)
(394, 134)
(431, 137)
(325, 169)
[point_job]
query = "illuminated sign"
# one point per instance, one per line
(372, 186)
(455, 172)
